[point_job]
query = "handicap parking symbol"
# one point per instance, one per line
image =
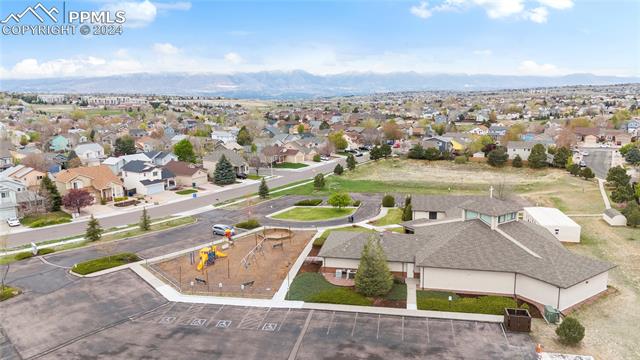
(223, 323)
(270, 326)
(167, 320)
(198, 322)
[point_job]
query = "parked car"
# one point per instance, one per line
(583, 163)
(13, 221)
(585, 153)
(357, 154)
(324, 158)
(242, 176)
(220, 229)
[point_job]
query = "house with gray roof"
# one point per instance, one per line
(210, 161)
(146, 178)
(483, 249)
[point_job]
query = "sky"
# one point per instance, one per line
(504, 37)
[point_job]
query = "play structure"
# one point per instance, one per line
(208, 256)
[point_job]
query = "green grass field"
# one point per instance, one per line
(394, 216)
(287, 165)
(186, 191)
(313, 213)
(104, 263)
(40, 220)
(439, 301)
(312, 287)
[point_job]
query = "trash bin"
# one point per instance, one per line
(551, 314)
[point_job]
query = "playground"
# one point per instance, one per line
(253, 265)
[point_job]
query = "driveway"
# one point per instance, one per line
(599, 160)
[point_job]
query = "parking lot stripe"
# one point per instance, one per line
(331, 322)
(214, 315)
(504, 334)
(355, 320)
(402, 329)
(453, 333)
(284, 319)
(296, 346)
(378, 332)
(427, 321)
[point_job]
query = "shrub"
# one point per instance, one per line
(356, 203)
(587, 173)
(23, 255)
(438, 301)
(48, 222)
(517, 162)
(388, 201)
(248, 225)
(121, 198)
(318, 181)
(407, 213)
(103, 201)
(340, 296)
(570, 331)
(316, 158)
(309, 202)
(338, 170)
(46, 251)
(460, 160)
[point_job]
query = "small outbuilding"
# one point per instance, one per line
(555, 221)
(613, 217)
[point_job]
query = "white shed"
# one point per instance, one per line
(613, 217)
(559, 225)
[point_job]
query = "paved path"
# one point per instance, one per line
(412, 302)
(605, 198)
(78, 227)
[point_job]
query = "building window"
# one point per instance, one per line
(557, 231)
(486, 219)
(3, 194)
(433, 215)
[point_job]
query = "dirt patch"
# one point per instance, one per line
(400, 304)
(267, 267)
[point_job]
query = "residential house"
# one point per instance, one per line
(147, 143)
(90, 154)
(555, 221)
(161, 158)
(116, 163)
(479, 130)
(587, 135)
(187, 174)
(497, 131)
(484, 249)
(100, 181)
(146, 178)
(28, 176)
(8, 197)
(59, 143)
(521, 148)
(6, 160)
(223, 136)
(210, 161)
(137, 133)
(633, 127)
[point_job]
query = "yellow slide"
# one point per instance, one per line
(219, 254)
(204, 256)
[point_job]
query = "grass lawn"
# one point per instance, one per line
(103, 263)
(254, 177)
(40, 220)
(319, 241)
(398, 292)
(288, 165)
(394, 216)
(312, 287)
(157, 227)
(7, 292)
(439, 301)
(313, 213)
(186, 191)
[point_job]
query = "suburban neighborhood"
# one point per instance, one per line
(451, 179)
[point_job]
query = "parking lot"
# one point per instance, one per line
(193, 331)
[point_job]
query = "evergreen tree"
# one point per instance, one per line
(318, 181)
(94, 231)
(263, 190)
(517, 162)
(145, 220)
(561, 157)
(244, 137)
(351, 162)
(538, 157)
(407, 213)
(385, 150)
(587, 173)
(623, 193)
(416, 152)
(338, 170)
(375, 154)
(50, 192)
(324, 125)
(224, 173)
(373, 277)
(570, 331)
(432, 154)
(497, 157)
(124, 146)
(617, 176)
(574, 169)
(407, 201)
(633, 156)
(632, 213)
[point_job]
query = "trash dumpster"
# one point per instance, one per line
(551, 314)
(517, 320)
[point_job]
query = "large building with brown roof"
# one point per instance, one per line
(98, 180)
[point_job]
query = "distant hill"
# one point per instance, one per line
(296, 84)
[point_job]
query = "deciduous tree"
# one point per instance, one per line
(76, 199)
(339, 199)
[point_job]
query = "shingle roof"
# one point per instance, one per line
(181, 168)
(452, 204)
(101, 176)
(137, 166)
(472, 245)
(232, 156)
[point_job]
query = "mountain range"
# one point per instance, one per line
(296, 84)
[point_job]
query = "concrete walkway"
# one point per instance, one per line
(412, 302)
(605, 198)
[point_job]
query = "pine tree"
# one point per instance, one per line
(94, 231)
(50, 192)
(145, 221)
(407, 213)
(375, 154)
(318, 181)
(538, 157)
(263, 191)
(351, 162)
(373, 277)
(517, 162)
(338, 170)
(224, 173)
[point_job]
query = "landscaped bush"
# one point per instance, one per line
(319, 241)
(121, 198)
(388, 201)
(340, 295)
(316, 158)
(570, 331)
(124, 203)
(460, 160)
(309, 202)
(103, 263)
(356, 203)
(48, 222)
(438, 301)
(8, 292)
(23, 255)
(248, 225)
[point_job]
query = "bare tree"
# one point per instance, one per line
(36, 161)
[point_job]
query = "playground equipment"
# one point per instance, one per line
(208, 256)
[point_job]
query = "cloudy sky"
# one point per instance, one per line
(523, 37)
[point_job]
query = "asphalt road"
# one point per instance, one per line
(599, 160)
(78, 227)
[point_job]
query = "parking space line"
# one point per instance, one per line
(402, 329)
(378, 332)
(169, 309)
(331, 322)
(453, 333)
(427, 321)
(504, 334)
(284, 319)
(214, 316)
(355, 320)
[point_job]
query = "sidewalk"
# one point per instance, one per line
(605, 198)
(412, 302)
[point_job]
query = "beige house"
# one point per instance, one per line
(29, 176)
(98, 180)
(293, 156)
(187, 174)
